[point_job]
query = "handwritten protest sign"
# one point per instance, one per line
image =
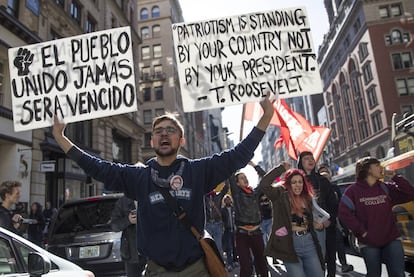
(238, 59)
(78, 78)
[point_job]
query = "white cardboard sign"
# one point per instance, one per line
(78, 78)
(238, 59)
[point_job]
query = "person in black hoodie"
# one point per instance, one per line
(35, 229)
(124, 218)
(326, 199)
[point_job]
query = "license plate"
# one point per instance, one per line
(89, 252)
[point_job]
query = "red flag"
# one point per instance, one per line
(297, 134)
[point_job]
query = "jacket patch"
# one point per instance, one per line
(156, 197)
(369, 201)
(281, 232)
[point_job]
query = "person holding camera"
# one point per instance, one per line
(366, 209)
(10, 195)
(124, 218)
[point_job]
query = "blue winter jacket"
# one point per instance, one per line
(160, 236)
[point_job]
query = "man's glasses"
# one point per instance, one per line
(169, 129)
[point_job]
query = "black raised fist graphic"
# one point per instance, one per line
(22, 61)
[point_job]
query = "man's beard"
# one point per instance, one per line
(171, 152)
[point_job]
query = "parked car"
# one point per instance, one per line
(20, 257)
(81, 233)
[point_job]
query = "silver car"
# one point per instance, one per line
(81, 233)
(20, 257)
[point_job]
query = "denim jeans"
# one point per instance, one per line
(391, 254)
(215, 229)
(309, 264)
(228, 241)
(266, 226)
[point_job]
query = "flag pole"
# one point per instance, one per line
(242, 123)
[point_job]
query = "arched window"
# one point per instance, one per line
(328, 98)
(344, 89)
(144, 14)
(354, 79)
(155, 12)
(396, 36)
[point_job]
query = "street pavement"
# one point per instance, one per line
(356, 261)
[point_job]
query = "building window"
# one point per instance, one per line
(376, 122)
(147, 117)
(402, 60)
(145, 32)
(360, 108)
(355, 84)
(80, 132)
(147, 139)
(158, 74)
(159, 112)
(407, 108)
(348, 117)
(342, 143)
(406, 37)
(405, 86)
(75, 11)
(113, 21)
(396, 9)
(90, 24)
(384, 12)
(157, 51)
(328, 97)
(144, 14)
(147, 94)
(146, 73)
(393, 10)
(159, 94)
(155, 12)
(61, 3)
(1, 83)
(13, 7)
(145, 53)
(363, 130)
(357, 25)
(352, 136)
(331, 113)
(121, 148)
(362, 51)
(372, 97)
(397, 37)
(346, 42)
(367, 72)
(333, 126)
(156, 30)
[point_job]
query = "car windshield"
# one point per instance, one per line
(85, 216)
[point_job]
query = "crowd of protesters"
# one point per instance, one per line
(280, 218)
